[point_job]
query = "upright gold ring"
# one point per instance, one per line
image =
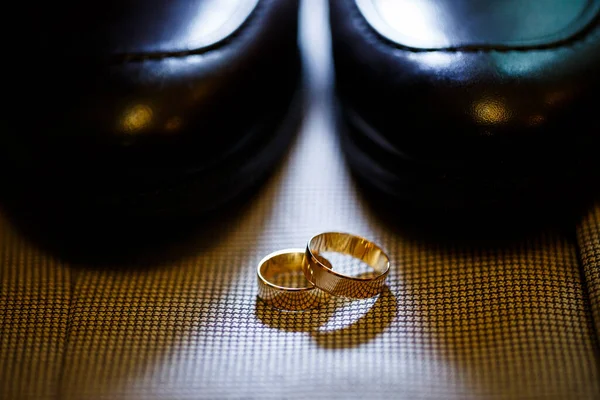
(337, 284)
(288, 298)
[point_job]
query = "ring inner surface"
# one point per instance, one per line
(285, 270)
(356, 247)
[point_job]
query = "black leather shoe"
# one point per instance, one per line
(149, 107)
(465, 103)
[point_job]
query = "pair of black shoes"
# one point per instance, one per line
(177, 107)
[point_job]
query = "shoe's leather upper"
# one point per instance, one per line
(474, 79)
(146, 84)
(139, 27)
(444, 24)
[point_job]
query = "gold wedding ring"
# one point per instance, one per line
(325, 278)
(279, 264)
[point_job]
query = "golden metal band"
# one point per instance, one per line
(288, 298)
(337, 284)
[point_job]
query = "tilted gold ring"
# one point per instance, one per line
(288, 298)
(337, 284)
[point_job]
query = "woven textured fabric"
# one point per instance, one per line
(588, 235)
(35, 292)
(458, 320)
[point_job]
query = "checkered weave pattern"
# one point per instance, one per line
(510, 320)
(588, 236)
(456, 322)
